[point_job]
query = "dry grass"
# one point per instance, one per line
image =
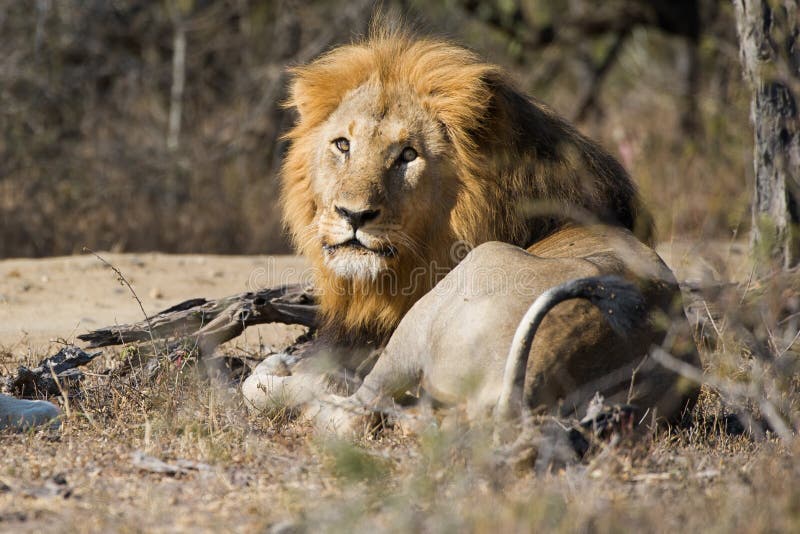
(257, 473)
(84, 120)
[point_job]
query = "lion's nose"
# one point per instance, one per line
(357, 218)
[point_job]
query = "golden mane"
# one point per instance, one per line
(521, 170)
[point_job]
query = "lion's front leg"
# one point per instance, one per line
(345, 417)
(289, 380)
(306, 395)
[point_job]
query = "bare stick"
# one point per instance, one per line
(208, 323)
(52, 375)
(124, 281)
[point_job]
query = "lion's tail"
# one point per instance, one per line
(620, 301)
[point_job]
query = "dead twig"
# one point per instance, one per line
(122, 280)
(205, 324)
(52, 376)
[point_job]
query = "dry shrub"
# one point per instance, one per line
(86, 98)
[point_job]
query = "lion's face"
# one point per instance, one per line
(378, 181)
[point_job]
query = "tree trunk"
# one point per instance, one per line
(770, 54)
(178, 81)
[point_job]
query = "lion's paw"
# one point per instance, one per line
(268, 392)
(342, 416)
(278, 364)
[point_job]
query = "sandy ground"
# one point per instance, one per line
(52, 299)
(45, 300)
(266, 473)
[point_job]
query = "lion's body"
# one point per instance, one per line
(406, 148)
(454, 342)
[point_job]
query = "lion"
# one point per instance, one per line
(406, 149)
(473, 339)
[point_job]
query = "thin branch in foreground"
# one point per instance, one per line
(732, 389)
(122, 280)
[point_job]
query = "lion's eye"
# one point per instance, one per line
(342, 144)
(408, 154)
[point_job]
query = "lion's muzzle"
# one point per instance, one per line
(353, 242)
(356, 219)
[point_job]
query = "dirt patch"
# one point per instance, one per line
(43, 300)
(180, 454)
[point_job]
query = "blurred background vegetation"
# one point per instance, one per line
(155, 125)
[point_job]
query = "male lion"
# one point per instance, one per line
(406, 147)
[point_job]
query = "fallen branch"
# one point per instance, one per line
(206, 324)
(55, 375)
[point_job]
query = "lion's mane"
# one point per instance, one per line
(520, 167)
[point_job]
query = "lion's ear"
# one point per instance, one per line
(311, 95)
(458, 94)
(317, 89)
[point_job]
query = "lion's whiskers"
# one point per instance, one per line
(307, 235)
(407, 242)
